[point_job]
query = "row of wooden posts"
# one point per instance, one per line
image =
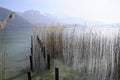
(56, 74)
(48, 62)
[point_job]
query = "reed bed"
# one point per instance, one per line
(93, 52)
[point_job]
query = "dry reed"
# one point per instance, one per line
(93, 51)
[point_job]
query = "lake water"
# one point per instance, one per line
(17, 49)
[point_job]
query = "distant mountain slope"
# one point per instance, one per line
(17, 39)
(18, 29)
(35, 17)
(17, 23)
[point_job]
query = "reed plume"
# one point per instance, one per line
(2, 26)
(4, 22)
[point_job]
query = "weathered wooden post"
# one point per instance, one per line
(31, 49)
(31, 41)
(48, 61)
(56, 73)
(43, 50)
(31, 63)
(29, 75)
(39, 41)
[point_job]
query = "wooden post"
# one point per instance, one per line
(39, 42)
(31, 41)
(43, 50)
(56, 74)
(31, 49)
(29, 75)
(31, 63)
(48, 61)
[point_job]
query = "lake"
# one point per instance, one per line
(17, 49)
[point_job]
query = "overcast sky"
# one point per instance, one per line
(107, 11)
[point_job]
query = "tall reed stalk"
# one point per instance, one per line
(4, 57)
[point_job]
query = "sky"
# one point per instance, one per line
(106, 11)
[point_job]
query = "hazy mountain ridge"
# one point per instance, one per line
(18, 29)
(17, 23)
(36, 17)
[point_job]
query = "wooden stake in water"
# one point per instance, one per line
(48, 61)
(56, 74)
(29, 75)
(31, 49)
(39, 42)
(43, 50)
(31, 63)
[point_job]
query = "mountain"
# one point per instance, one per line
(17, 29)
(16, 38)
(17, 23)
(35, 17)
